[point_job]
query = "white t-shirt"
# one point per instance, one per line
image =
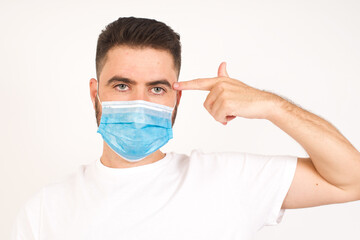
(202, 196)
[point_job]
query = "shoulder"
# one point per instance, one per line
(214, 156)
(50, 197)
(59, 189)
(243, 157)
(249, 164)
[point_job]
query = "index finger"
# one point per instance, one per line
(196, 84)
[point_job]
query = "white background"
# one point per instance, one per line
(306, 51)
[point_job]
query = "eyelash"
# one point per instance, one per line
(163, 90)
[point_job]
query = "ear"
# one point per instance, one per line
(93, 90)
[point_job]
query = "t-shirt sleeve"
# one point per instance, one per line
(259, 182)
(268, 180)
(27, 223)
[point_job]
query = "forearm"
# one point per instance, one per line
(332, 154)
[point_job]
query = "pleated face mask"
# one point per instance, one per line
(135, 129)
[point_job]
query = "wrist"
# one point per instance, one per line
(275, 106)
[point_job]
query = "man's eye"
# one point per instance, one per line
(121, 87)
(158, 90)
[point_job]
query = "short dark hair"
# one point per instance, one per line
(137, 33)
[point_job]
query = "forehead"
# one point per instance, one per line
(141, 64)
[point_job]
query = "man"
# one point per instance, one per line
(135, 191)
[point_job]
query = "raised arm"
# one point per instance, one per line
(331, 174)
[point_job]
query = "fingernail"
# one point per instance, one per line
(176, 85)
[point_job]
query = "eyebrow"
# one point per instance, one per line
(129, 81)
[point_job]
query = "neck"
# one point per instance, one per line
(110, 159)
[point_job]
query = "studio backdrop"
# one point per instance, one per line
(305, 51)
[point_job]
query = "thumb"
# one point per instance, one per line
(222, 70)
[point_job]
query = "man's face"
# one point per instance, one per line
(137, 74)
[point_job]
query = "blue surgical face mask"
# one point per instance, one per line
(135, 129)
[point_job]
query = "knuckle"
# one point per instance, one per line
(224, 79)
(220, 86)
(216, 117)
(206, 105)
(224, 94)
(226, 103)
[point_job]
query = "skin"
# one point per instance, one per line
(330, 174)
(141, 65)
